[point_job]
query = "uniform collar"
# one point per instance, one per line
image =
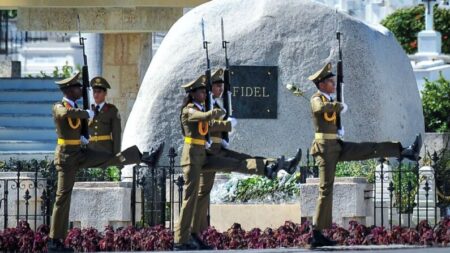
(100, 106)
(328, 96)
(219, 102)
(199, 106)
(71, 103)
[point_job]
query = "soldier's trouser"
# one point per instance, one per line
(212, 163)
(345, 151)
(67, 170)
(200, 221)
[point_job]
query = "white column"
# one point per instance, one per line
(429, 15)
(429, 41)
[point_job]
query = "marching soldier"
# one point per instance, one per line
(104, 129)
(70, 155)
(196, 123)
(328, 149)
(218, 147)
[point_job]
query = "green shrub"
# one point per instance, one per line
(406, 23)
(357, 169)
(436, 105)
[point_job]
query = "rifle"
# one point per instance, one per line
(85, 89)
(209, 99)
(226, 95)
(339, 80)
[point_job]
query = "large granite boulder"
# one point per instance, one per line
(298, 37)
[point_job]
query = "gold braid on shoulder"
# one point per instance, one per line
(326, 116)
(203, 127)
(70, 120)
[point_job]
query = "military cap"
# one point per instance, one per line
(322, 74)
(70, 81)
(217, 76)
(196, 84)
(99, 82)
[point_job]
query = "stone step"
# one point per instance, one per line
(24, 134)
(18, 107)
(26, 120)
(30, 95)
(27, 155)
(28, 83)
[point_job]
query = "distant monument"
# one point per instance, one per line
(428, 61)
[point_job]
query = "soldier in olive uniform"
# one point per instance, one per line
(105, 129)
(70, 155)
(196, 124)
(218, 147)
(328, 148)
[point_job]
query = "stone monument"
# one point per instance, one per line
(295, 38)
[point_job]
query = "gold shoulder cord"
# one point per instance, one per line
(70, 120)
(203, 128)
(328, 117)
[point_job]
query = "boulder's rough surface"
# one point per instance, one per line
(299, 37)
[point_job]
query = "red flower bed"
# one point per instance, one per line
(158, 238)
(299, 235)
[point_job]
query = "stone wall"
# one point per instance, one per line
(126, 57)
(97, 204)
(435, 142)
(10, 68)
(349, 202)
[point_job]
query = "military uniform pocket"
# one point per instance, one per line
(316, 148)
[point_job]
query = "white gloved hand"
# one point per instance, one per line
(84, 141)
(225, 144)
(91, 114)
(207, 145)
(341, 132)
(344, 110)
(233, 122)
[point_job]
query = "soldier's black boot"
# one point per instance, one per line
(319, 240)
(55, 245)
(290, 165)
(199, 243)
(412, 152)
(151, 158)
(272, 168)
(184, 246)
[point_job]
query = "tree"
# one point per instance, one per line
(436, 105)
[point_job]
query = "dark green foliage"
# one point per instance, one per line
(406, 23)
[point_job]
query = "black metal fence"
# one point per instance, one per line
(404, 194)
(158, 192)
(27, 192)
(161, 191)
(28, 189)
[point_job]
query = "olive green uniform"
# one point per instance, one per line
(328, 149)
(195, 159)
(105, 130)
(200, 221)
(70, 156)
